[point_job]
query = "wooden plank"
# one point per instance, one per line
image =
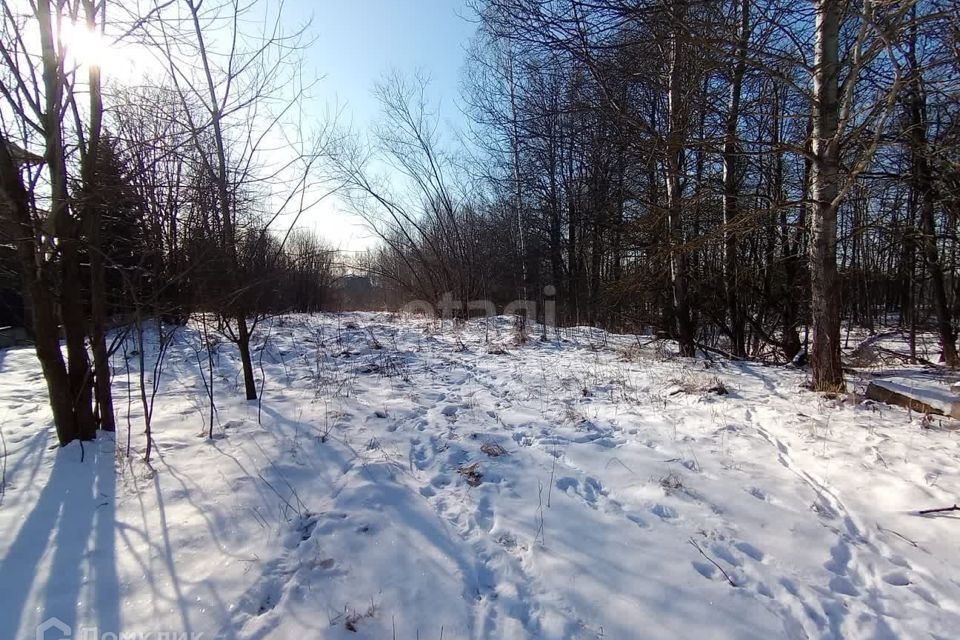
(923, 399)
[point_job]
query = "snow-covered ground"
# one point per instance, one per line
(403, 481)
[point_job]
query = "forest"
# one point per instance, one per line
(655, 336)
(743, 176)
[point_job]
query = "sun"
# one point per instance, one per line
(84, 46)
(121, 62)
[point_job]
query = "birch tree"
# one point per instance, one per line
(824, 196)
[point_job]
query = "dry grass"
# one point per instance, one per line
(471, 474)
(698, 383)
(493, 449)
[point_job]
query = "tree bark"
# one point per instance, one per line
(15, 213)
(676, 136)
(66, 231)
(825, 192)
(925, 193)
(98, 339)
(98, 304)
(243, 344)
(74, 319)
(731, 204)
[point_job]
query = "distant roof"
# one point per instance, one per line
(21, 155)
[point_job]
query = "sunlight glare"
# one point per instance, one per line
(120, 62)
(83, 46)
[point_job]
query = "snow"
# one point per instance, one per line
(937, 396)
(624, 498)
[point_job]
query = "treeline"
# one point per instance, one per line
(741, 175)
(133, 204)
(736, 173)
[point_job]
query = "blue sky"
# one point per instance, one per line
(356, 43)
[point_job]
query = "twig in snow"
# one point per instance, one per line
(553, 468)
(303, 508)
(713, 562)
(620, 462)
(938, 510)
(540, 530)
(899, 535)
(284, 500)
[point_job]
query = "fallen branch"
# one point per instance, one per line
(906, 356)
(899, 535)
(938, 510)
(713, 562)
(720, 352)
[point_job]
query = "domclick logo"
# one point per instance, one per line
(56, 629)
(53, 629)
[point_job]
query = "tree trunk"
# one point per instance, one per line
(825, 191)
(221, 178)
(75, 330)
(790, 342)
(676, 135)
(98, 313)
(66, 232)
(243, 344)
(731, 204)
(15, 214)
(922, 184)
(98, 303)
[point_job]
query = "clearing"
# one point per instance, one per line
(406, 480)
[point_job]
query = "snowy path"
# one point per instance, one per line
(626, 498)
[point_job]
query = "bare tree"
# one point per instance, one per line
(45, 217)
(237, 89)
(825, 193)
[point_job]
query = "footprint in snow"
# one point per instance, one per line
(900, 561)
(723, 552)
(897, 579)
(926, 595)
(663, 511)
(509, 542)
(591, 489)
(484, 514)
(750, 551)
(522, 439)
(840, 584)
(637, 520)
(441, 481)
(840, 557)
(706, 570)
